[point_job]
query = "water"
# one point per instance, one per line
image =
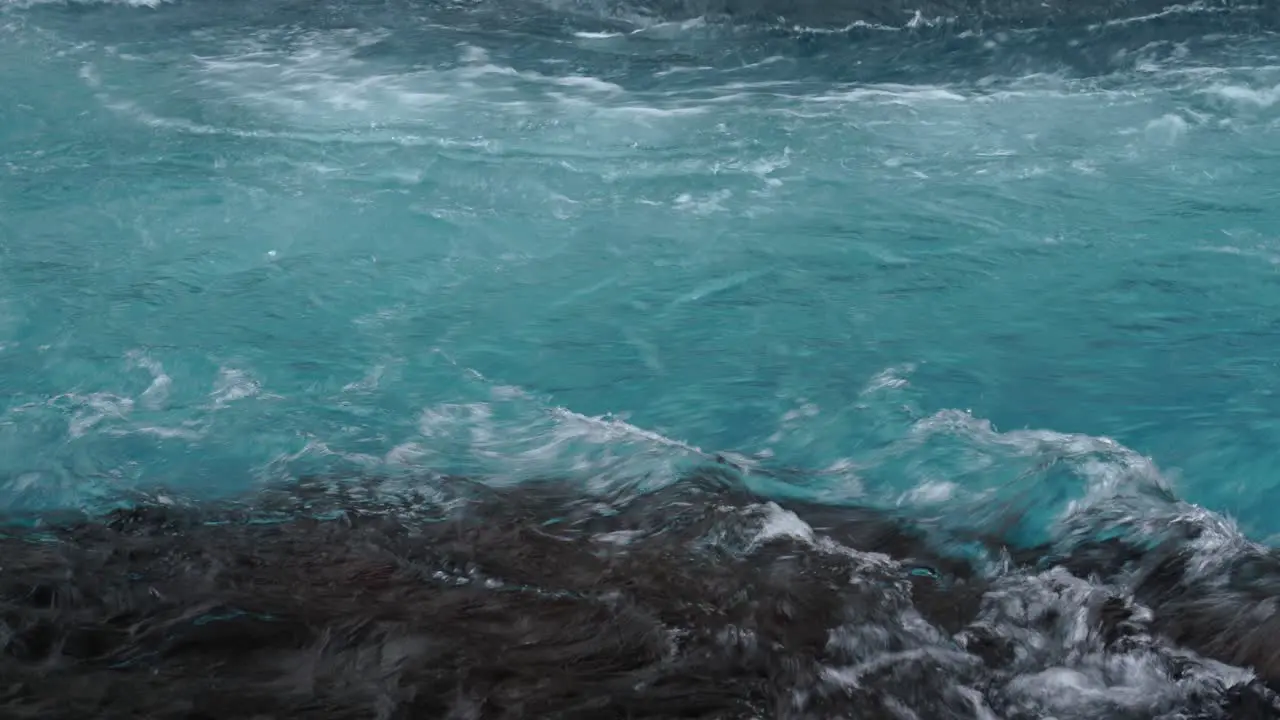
(1012, 270)
(249, 241)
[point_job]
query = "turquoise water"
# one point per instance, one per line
(950, 266)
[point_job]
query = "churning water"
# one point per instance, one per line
(1002, 271)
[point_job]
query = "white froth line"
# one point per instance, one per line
(782, 523)
(851, 676)
(1173, 10)
(614, 425)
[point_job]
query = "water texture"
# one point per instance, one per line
(1007, 272)
(922, 265)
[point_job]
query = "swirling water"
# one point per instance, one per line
(965, 267)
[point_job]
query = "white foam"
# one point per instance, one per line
(473, 54)
(157, 392)
(679, 69)
(645, 112)
(233, 384)
(894, 93)
(851, 676)
(607, 429)
(930, 492)
(892, 378)
(855, 25)
(319, 82)
(617, 537)
(514, 435)
(165, 433)
(587, 83)
(782, 523)
(1242, 95)
(95, 408)
(1171, 10)
(407, 454)
(704, 205)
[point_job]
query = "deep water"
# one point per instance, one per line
(1003, 270)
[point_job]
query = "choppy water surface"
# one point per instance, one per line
(1011, 271)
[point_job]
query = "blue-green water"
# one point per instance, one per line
(946, 267)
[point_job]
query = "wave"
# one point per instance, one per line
(700, 599)
(805, 16)
(920, 16)
(954, 475)
(936, 43)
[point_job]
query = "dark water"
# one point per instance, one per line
(707, 359)
(333, 599)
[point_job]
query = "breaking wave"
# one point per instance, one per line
(714, 358)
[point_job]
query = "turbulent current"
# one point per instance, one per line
(720, 358)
